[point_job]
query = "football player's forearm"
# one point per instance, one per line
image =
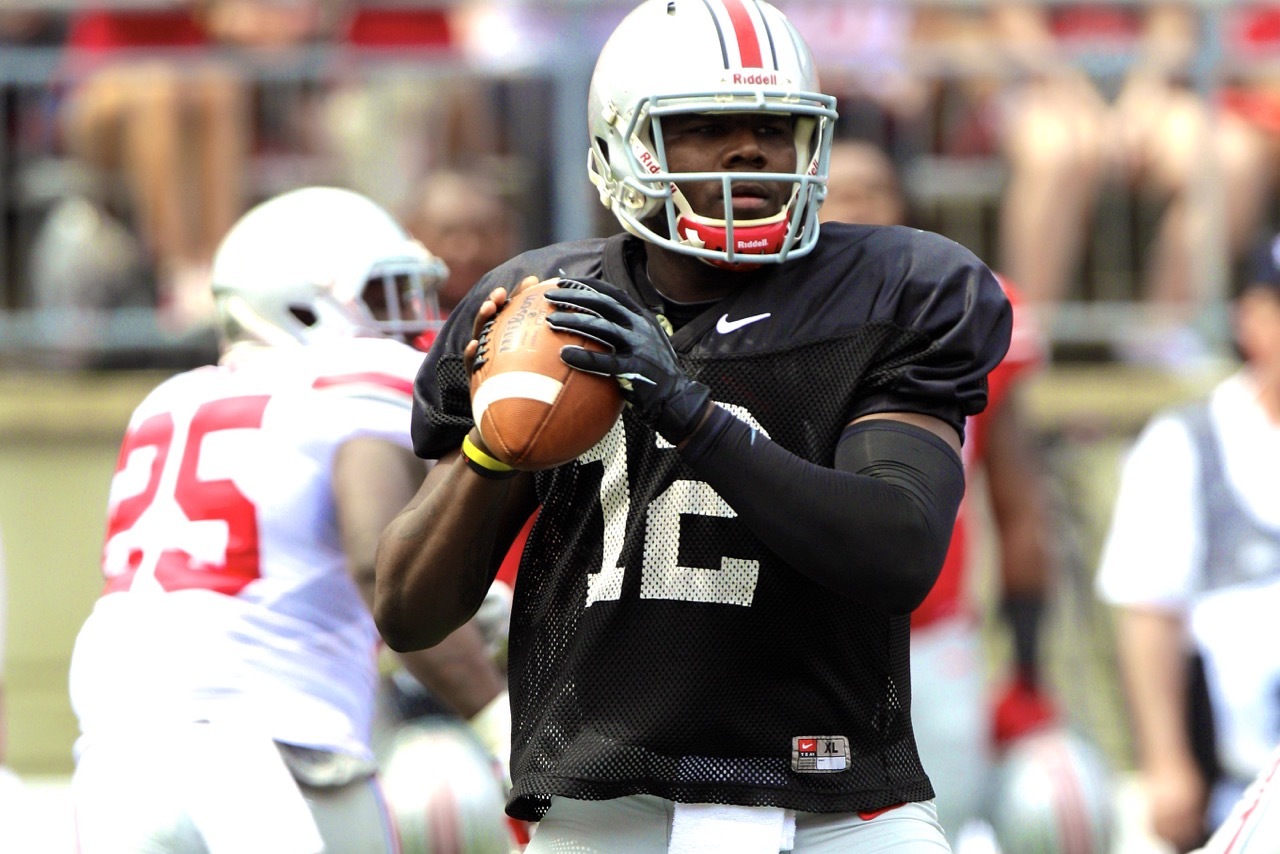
(458, 670)
(438, 557)
(1153, 666)
(877, 530)
(373, 480)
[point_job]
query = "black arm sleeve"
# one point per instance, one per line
(1023, 614)
(875, 527)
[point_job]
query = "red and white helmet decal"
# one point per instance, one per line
(743, 31)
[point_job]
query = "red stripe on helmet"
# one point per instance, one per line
(745, 30)
(1069, 801)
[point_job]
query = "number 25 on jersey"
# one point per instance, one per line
(162, 459)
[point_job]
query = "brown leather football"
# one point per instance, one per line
(533, 410)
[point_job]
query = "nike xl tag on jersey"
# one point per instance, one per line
(819, 754)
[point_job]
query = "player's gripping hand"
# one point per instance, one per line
(474, 354)
(641, 357)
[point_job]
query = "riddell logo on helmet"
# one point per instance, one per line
(647, 161)
(754, 79)
(753, 244)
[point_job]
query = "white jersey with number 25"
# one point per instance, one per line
(227, 594)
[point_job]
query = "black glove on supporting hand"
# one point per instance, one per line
(642, 359)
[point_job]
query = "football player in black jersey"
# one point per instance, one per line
(709, 643)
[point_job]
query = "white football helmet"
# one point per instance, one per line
(318, 263)
(1052, 793)
(444, 790)
(717, 56)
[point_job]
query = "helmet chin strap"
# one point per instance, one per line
(750, 237)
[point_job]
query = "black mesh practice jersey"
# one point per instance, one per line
(656, 645)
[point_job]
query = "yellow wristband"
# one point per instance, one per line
(483, 464)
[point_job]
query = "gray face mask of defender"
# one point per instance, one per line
(401, 297)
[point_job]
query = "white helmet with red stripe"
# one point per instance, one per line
(1053, 794)
(717, 56)
(322, 262)
(444, 790)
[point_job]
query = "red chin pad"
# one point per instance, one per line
(747, 239)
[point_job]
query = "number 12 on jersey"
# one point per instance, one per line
(662, 575)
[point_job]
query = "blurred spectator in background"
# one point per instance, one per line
(388, 132)
(268, 25)
(1192, 565)
(1014, 81)
(469, 222)
(1064, 138)
(155, 107)
(865, 52)
(170, 128)
(32, 26)
(959, 725)
(78, 256)
(863, 185)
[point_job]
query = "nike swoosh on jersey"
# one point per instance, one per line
(724, 325)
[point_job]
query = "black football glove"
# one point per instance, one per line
(642, 359)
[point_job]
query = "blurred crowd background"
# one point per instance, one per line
(1113, 158)
(1116, 160)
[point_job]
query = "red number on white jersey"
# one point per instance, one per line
(198, 500)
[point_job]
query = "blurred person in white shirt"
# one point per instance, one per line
(1192, 564)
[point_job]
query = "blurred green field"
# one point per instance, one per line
(59, 435)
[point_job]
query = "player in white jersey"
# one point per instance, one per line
(225, 680)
